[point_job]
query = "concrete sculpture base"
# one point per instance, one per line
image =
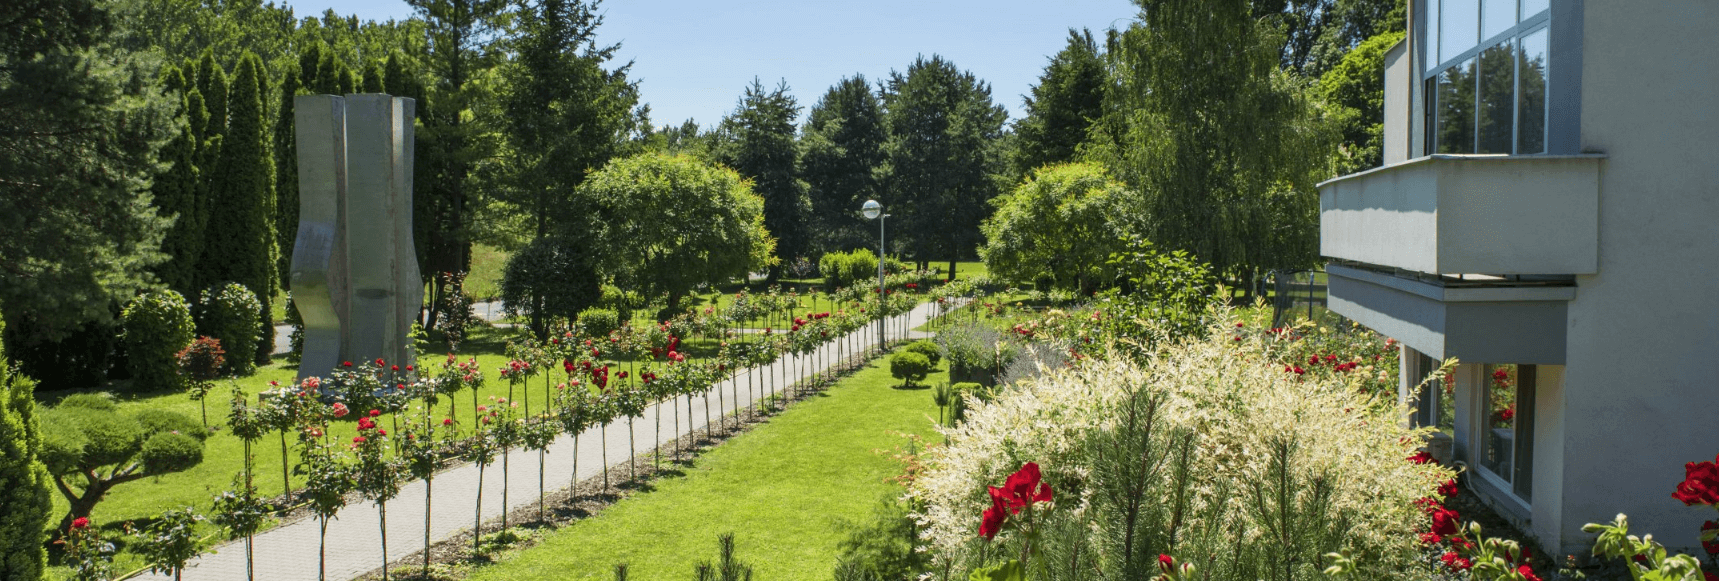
(355, 273)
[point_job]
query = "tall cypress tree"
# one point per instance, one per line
(286, 179)
(23, 479)
(240, 242)
(209, 123)
(175, 193)
(842, 149)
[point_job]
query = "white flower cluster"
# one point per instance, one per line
(1237, 402)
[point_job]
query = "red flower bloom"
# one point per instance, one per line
(1500, 375)
(447, 421)
(1025, 487)
(1166, 563)
(378, 361)
(1527, 573)
(1448, 489)
(1430, 538)
(1709, 576)
(340, 410)
(394, 368)
(80, 523)
(1712, 546)
(374, 413)
(1444, 522)
(1455, 562)
(358, 439)
(381, 432)
(1421, 457)
(346, 364)
(1700, 484)
(992, 521)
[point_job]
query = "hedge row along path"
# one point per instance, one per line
(288, 552)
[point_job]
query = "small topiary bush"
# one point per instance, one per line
(844, 269)
(157, 325)
(100, 401)
(170, 452)
(80, 438)
(910, 367)
(930, 350)
(599, 322)
(229, 313)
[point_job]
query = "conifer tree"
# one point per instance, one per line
(240, 242)
(1067, 99)
(842, 149)
(286, 179)
(23, 479)
(763, 150)
(175, 192)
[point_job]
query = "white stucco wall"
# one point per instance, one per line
(1641, 391)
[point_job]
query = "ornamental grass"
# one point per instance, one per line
(1206, 451)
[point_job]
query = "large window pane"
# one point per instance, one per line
(1532, 7)
(1500, 436)
(1498, 16)
(1459, 27)
(1456, 109)
(1497, 97)
(1531, 94)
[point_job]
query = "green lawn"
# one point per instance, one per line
(789, 490)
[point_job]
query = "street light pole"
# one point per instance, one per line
(874, 211)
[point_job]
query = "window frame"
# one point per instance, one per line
(1433, 67)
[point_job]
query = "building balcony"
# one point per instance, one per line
(1457, 214)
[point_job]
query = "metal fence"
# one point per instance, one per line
(1295, 290)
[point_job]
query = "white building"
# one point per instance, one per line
(1549, 206)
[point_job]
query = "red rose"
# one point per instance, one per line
(1421, 457)
(340, 410)
(346, 364)
(1700, 484)
(1444, 522)
(447, 421)
(1448, 489)
(80, 523)
(1501, 375)
(1709, 576)
(1527, 573)
(1455, 562)
(374, 413)
(358, 439)
(381, 432)
(1712, 546)
(394, 368)
(1430, 538)
(1166, 563)
(378, 361)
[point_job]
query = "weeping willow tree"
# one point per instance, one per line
(1223, 147)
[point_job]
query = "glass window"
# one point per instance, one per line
(1531, 94)
(1508, 440)
(1435, 404)
(1459, 27)
(1533, 7)
(1494, 110)
(1455, 114)
(1498, 16)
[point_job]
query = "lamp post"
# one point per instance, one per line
(874, 211)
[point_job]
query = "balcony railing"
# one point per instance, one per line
(1454, 214)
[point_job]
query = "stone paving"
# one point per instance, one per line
(288, 552)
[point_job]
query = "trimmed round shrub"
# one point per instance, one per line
(107, 437)
(170, 452)
(925, 347)
(156, 421)
(100, 401)
(157, 325)
(621, 301)
(229, 313)
(909, 366)
(599, 322)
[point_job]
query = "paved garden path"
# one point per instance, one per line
(289, 552)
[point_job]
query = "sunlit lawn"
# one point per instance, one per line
(789, 491)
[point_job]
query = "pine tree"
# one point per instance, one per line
(842, 147)
(371, 81)
(763, 150)
(1067, 99)
(240, 235)
(175, 193)
(23, 480)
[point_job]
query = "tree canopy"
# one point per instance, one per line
(1060, 225)
(841, 153)
(1067, 99)
(760, 145)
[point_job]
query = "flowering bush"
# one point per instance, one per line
(1237, 450)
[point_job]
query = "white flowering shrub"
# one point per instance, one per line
(1208, 452)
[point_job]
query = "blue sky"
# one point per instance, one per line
(693, 58)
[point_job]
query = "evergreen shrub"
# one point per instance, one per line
(157, 325)
(930, 350)
(229, 313)
(24, 480)
(597, 322)
(909, 367)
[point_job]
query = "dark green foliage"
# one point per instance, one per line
(1067, 100)
(1317, 33)
(239, 244)
(82, 358)
(943, 159)
(550, 281)
(286, 180)
(1223, 148)
(371, 80)
(1356, 94)
(884, 549)
(23, 479)
(88, 451)
(81, 122)
(597, 322)
(157, 421)
(909, 367)
(175, 192)
(229, 313)
(933, 354)
(99, 401)
(726, 567)
(762, 150)
(566, 113)
(972, 351)
(157, 326)
(620, 301)
(1159, 294)
(1058, 226)
(842, 153)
